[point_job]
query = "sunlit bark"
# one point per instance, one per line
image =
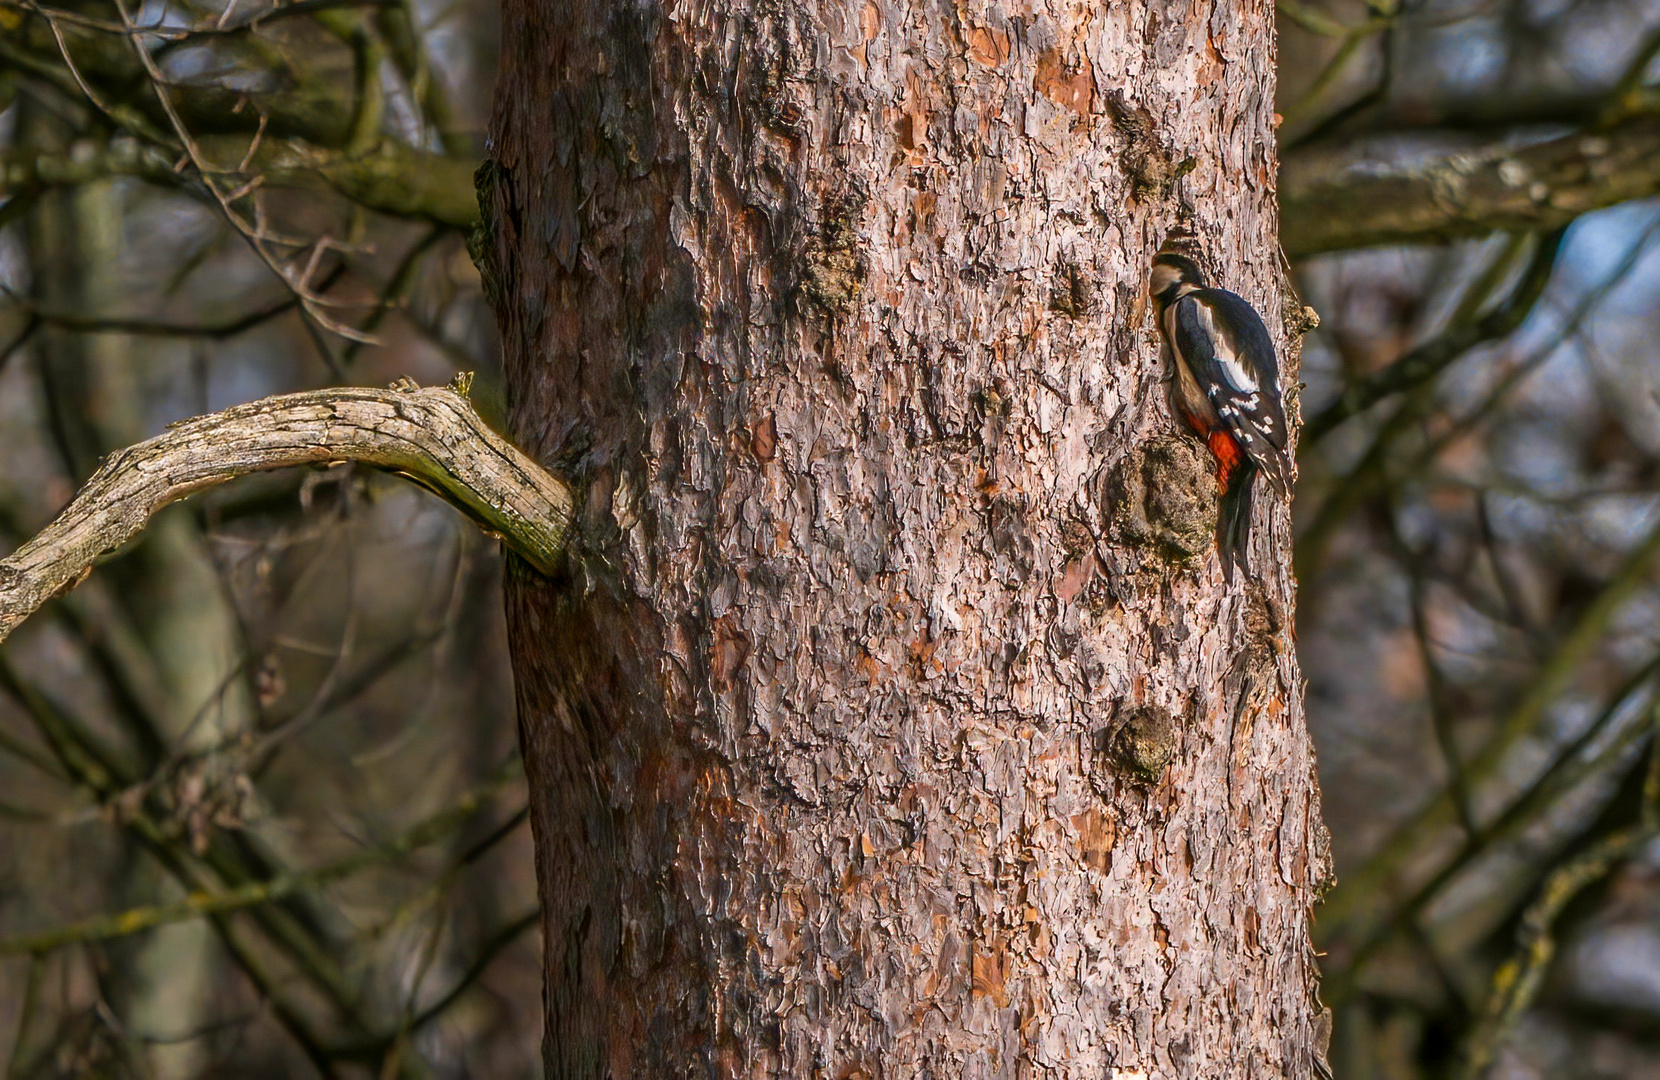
(872, 733)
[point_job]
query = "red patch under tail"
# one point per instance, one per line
(1228, 453)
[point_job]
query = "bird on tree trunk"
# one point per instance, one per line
(1226, 388)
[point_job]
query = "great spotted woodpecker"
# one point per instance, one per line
(1227, 388)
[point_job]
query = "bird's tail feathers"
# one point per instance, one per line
(1276, 466)
(1233, 525)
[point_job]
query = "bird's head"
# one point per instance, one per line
(1171, 272)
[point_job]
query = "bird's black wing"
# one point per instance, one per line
(1231, 356)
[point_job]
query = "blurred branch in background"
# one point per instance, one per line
(1469, 194)
(1517, 981)
(1424, 361)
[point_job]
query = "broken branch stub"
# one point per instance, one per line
(433, 436)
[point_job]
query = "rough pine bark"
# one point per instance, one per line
(892, 718)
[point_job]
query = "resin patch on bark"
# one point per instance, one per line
(1163, 499)
(1153, 170)
(1140, 744)
(832, 273)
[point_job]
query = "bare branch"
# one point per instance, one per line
(278, 139)
(252, 893)
(1427, 360)
(1517, 981)
(431, 435)
(1543, 186)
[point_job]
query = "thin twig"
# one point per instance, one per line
(396, 285)
(255, 893)
(92, 324)
(1517, 981)
(310, 302)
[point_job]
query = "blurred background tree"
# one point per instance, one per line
(295, 689)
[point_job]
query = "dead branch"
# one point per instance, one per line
(430, 435)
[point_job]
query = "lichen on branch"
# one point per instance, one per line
(432, 436)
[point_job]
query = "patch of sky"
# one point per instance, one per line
(1466, 57)
(1619, 965)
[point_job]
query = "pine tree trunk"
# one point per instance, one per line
(893, 719)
